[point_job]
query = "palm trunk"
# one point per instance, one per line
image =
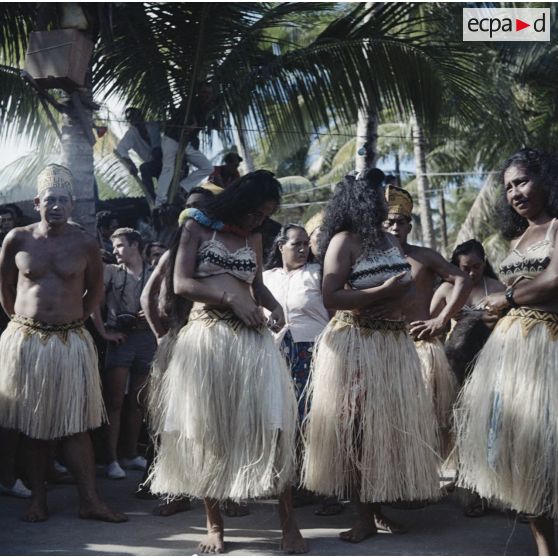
(425, 212)
(367, 139)
(367, 123)
(77, 155)
(247, 164)
(443, 222)
(397, 170)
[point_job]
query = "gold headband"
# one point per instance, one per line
(55, 176)
(399, 201)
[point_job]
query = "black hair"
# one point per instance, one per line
(357, 206)
(103, 218)
(131, 235)
(374, 177)
(275, 258)
(470, 247)
(150, 245)
(201, 191)
(176, 308)
(232, 157)
(243, 196)
(543, 169)
(14, 209)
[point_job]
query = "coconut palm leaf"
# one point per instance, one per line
(295, 184)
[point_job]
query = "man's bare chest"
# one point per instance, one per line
(46, 261)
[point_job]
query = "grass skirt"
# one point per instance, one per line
(371, 426)
(441, 386)
(506, 416)
(49, 379)
(155, 404)
(228, 413)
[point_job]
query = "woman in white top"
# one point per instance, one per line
(295, 282)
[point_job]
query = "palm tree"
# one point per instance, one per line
(158, 52)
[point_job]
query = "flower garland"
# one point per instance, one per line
(201, 218)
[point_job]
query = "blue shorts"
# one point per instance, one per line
(136, 353)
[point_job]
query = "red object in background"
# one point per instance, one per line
(101, 131)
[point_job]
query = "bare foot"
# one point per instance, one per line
(388, 525)
(359, 532)
(213, 542)
(101, 512)
(166, 509)
(292, 541)
(36, 512)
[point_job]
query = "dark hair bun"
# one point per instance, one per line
(374, 177)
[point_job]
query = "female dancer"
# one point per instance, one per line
(472, 325)
(470, 330)
(371, 426)
(507, 433)
(229, 410)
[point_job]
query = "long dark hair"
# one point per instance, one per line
(473, 247)
(357, 206)
(275, 258)
(243, 196)
(543, 169)
(176, 308)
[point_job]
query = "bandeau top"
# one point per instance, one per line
(376, 266)
(532, 261)
(214, 258)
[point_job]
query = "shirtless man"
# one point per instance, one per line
(50, 281)
(427, 265)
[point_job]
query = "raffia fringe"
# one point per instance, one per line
(371, 427)
(507, 430)
(441, 386)
(160, 364)
(49, 380)
(228, 413)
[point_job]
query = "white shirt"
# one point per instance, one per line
(300, 295)
(133, 140)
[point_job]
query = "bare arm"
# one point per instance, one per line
(439, 299)
(455, 300)
(9, 272)
(150, 296)
(337, 268)
(262, 294)
(93, 283)
(462, 285)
